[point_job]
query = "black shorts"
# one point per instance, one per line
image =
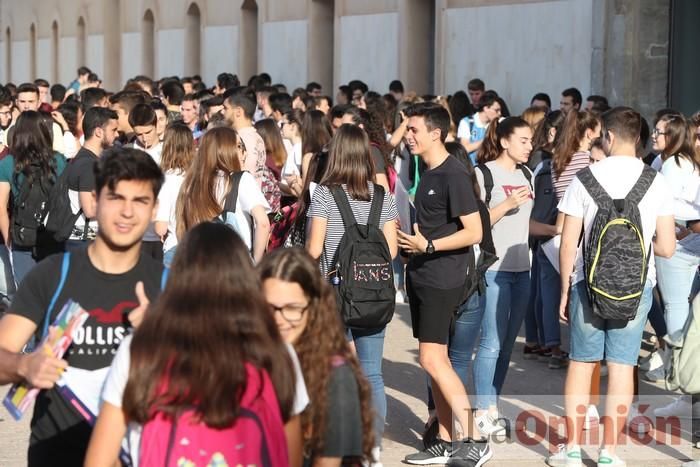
(433, 311)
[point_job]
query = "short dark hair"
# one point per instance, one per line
(186, 80)
(574, 94)
(227, 81)
(58, 92)
(156, 104)
(27, 87)
(5, 96)
(486, 100)
(83, 70)
(434, 115)
(359, 116)
(173, 91)
(242, 97)
(476, 85)
(126, 164)
(312, 86)
(89, 97)
(280, 102)
(127, 100)
(266, 77)
(600, 103)
(356, 84)
(97, 117)
(337, 111)
(624, 122)
(142, 115)
(41, 83)
(541, 96)
(319, 99)
(396, 86)
(189, 97)
(93, 78)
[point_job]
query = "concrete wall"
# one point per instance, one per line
(618, 48)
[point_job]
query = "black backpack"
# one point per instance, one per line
(61, 219)
(476, 268)
(30, 208)
(615, 256)
(488, 180)
(364, 276)
(544, 208)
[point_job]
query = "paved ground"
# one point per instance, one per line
(530, 384)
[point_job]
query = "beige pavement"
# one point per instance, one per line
(406, 391)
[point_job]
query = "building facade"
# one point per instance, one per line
(617, 48)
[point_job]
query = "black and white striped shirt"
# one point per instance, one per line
(323, 206)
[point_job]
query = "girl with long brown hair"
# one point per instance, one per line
(208, 183)
(350, 168)
(573, 150)
(337, 426)
(175, 161)
(194, 349)
(274, 146)
(503, 154)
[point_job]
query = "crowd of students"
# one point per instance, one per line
(224, 242)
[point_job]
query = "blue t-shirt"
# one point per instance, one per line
(469, 127)
(7, 171)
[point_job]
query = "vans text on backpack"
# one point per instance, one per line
(364, 276)
(615, 256)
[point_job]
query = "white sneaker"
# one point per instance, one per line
(565, 457)
(592, 418)
(376, 452)
(653, 361)
(400, 298)
(488, 425)
(682, 407)
(657, 375)
(636, 422)
(605, 459)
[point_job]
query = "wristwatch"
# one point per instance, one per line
(430, 249)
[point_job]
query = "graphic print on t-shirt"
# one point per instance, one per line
(509, 189)
(102, 333)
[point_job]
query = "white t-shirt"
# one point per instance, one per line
(617, 175)
(292, 166)
(113, 392)
(167, 200)
(683, 180)
(249, 196)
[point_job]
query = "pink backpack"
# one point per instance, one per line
(256, 438)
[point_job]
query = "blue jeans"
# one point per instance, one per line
(461, 346)
(594, 338)
(504, 306)
(22, 262)
(369, 345)
(7, 280)
(549, 295)
(675, 276)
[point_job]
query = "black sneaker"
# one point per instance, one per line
(437, 453)
(471, 453)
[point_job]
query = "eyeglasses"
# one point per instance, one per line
(291, 313)
(656, 132)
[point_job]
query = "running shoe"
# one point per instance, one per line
(565, 457)
(437, 453)
(605, 459)
(471, 453)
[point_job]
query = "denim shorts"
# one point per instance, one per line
(594, 339)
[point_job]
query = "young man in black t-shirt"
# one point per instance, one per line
(112, 281)
(100, 129)
(447, 224)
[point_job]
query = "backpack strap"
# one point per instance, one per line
(341, 200)
(488, 182)
(528, 175)
(375, 212)
(597, 192)
(232, 197)
(65, 265)
(646, 178)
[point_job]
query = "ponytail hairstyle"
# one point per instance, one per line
(572, 133)
(491, 148)
(679, 139)
(540, 140)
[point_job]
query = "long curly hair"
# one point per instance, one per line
(572, 133)
(322, 338)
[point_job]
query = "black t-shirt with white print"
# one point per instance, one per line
(444, 194)
(59, 432)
